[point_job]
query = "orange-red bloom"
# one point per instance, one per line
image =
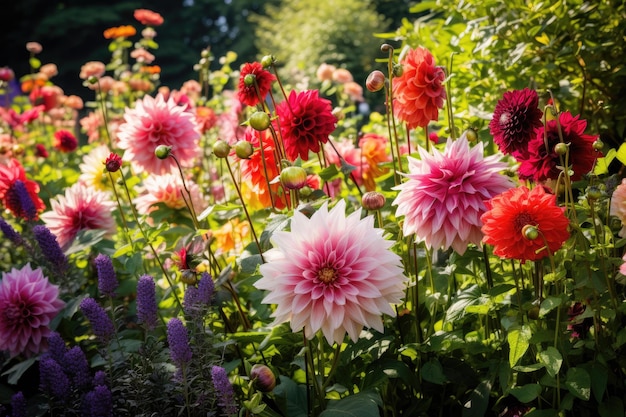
(253, 76)
(419, 92)
(9, 175)
(148, 17)
(508, 213)
(151, 69)
(119, 32)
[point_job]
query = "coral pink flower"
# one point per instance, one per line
(253, 75)
(305, 121)
(515, 119)
(9, 174)
(148, 17)
(332, 273)
(542, 163)
(508, 214)
(618, 206)
(28, 303)
(168, 189)
(153, 122)
(325, 72)
(418, 92)
(443, 199)
(92, 69)
(80, 208)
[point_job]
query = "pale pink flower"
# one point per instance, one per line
(92, 69)
(618, 206)
(81, 208)
(332, 273)
(28, 303)
(168, 189)
(325, 72)
(342, 76)
(153, 122)
(354, 91)
(49, 70)
(443, 199)
(142, 55)
(90, 125)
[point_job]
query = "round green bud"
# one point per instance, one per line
(560, 148)
(267, 61)
(259, 120)
(244, 149)
(598, 144)
(593, 192)
(221, 149)
(92, 79)
(398, 70)
(306, 191)
(293, 178)
(471, 135)
(530, 232)
(162, 151)
(249, 80)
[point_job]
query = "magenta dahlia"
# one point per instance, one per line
(153, 122)
(80, 208)
(542, 162)
(515, 119)
(305, 121)
(443, 199)
(28, 303)
(332, 273)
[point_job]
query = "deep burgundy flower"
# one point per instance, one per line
(305, 121)
(579, 325)
(65, 141)
(253, 76)
(41, 151)
(515, 119)
(542, 162)
(113, 162)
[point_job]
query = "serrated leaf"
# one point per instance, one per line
(552, 359)
(526, 393)
(519, 341)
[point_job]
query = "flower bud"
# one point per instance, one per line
(249, 80)
(385, 47)
(560, 148)
(6, 74)
(162, 151)
(259, 120)
(293, 178)
(375, 81)
(598, 144)
(530, 232)
(221, 149)
(398, 70)
(114, 162)
(267, 61)
(263, 378)
(244, 149)
(593, 192)
(92, 80)
(373, 200)
(471, 135)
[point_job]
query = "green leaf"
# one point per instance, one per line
(613, 407)
(329, 173)
(432, 371)
(548, 305)
(291, 397)
(599, 378)
(578, 382)
(621, 153)
(16, 371)
(478, 401)
(249, 263)
(552, 359)
(526, 393)
(519, 341)
(363, 404)
(602, 164)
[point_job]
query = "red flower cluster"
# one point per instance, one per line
(509, 212)
(305, 121)
(9, 175)
(419, 92)
(148, 17)
(252, 76)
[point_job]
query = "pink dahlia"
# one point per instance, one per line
(81, 208)
(168, 189)
(254, 83)
(28, 303)
(618, 206)
(419, 92)
(153, 122)
(515, 119)
(443, 199)
(305, 121)
(542, 162)
(332, 273)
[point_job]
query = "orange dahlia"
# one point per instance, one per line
(510, 215)
(119, 32)
(419, 92)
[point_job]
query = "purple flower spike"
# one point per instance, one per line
(146, 302)
(100, 322)
(107, 280)
(179, 342)
(224, 389)
(50, 247)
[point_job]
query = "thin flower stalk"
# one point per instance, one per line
(391, 120)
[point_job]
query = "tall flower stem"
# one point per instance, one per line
(119, 206)
(449, 101)
(245, 209)
(105, 121)
(188, 200)
(391, 121)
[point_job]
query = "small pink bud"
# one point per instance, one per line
(293, 178)
(373, 201)
(375, 81)
(263, 378)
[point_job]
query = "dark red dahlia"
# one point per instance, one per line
(65, 141)
(252, 76)
(515, 119)
(113, 162)
(542, 162)
(306, 120)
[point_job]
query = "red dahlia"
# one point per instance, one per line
(305, 120)
(65, 141)
(542, 162)
(515, 119)
(509, 212)
(253, 75)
